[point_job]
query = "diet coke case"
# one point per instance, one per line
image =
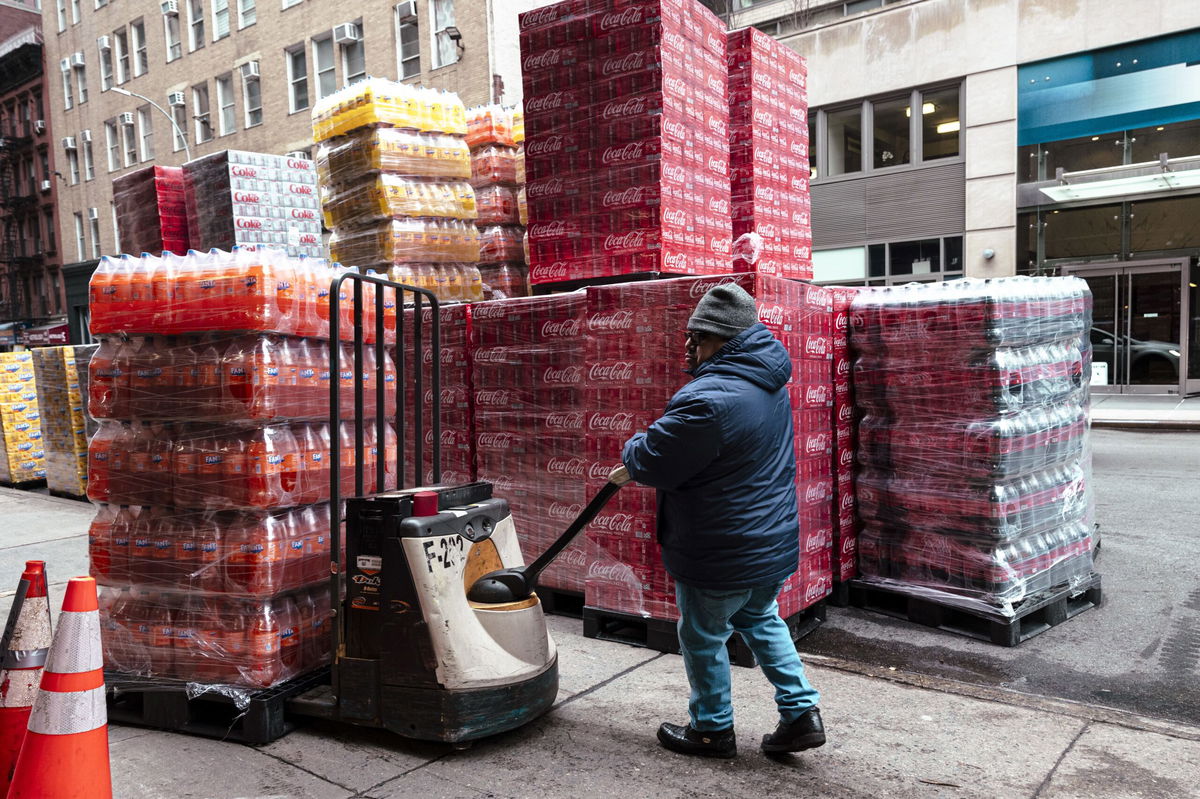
(974, 471)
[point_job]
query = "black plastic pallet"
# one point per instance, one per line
(24, 485)
(541, 289)
(141, 702)
(660, 635)
(68, 495)
(840, 597)
(561, 602)
(1032, 616)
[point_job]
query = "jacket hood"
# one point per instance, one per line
(754, 355)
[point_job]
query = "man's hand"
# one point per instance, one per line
(619, 476)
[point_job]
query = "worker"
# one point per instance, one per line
(721, 458)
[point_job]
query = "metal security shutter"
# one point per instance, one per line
(890, 206)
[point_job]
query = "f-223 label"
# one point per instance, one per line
(444, 553)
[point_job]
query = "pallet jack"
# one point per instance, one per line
(438, 632)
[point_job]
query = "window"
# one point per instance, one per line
(73, 166)
(94, 220)
(141, 58)
(146, 132)
(174, 43)
(1082, 232)
(62, 15)
(891, 132)
(813, 167)
(129, 138)
(225, 105)
(106, 69)
(247, 13)
(844, 140)
(940, 125)
(37, 236)
(68, 89)
(220, 19)
(112, 207)
(195, 24)
(445, 49)
(121, 44)
(48, 214)
(354, 63)
(408, 37)
(323, 65)
(45, 156)
(252, 99)
(113, 144)
(200, 113)
(81, 83)
(79, 241)
(89, 161)
(297, 68)
(891, 263)
(289, 3)
(75, 12)
(179, 132)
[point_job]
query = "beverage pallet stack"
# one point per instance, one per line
(498, 175)
(22, 453)
(152, 207)
(845, 517)
(61, 377)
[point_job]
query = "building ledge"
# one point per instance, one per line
(1149, 180)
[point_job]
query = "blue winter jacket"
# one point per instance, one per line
(723, 462)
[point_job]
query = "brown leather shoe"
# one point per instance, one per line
(686, 741)
(806, 732)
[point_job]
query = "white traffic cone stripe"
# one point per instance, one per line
(20, 688)
(68, 713)
(33, 626)
(76, 645)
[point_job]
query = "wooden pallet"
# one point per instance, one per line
(561, 602)
(1032, 616)
(661, 635)
(260, 719)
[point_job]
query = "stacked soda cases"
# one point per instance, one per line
(528, 372)
(395, 175)
(768, 153)
(238, 198)
(633, 366)
(152, 210)
(497, 174)
(845, 519)
(61, 377)
(22, 454)
(627, 151)
(974, 487)
(211, 464)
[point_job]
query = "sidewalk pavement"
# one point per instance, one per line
(1145, 411)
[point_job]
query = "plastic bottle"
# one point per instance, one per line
(143, 316)
(160, 636)
(306, 609)
(121, 484)
(263, 658)
(121, 374)
(122, 532)
(101, 380)
(100, 545)
(100, 296)
(99, 465)
(291, 637)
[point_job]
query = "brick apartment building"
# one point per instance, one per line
(31, 284)
(234, 75)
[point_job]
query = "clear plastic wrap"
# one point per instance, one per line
(408, 240)
(386, 196)
(494, 165)
(242, 198)
(845, 443)
(490, 124)
(627, 151)
(974, 486)
(61, 378)
(518, 126)
(633, 366)
(504, 281)
(22, 456)
(449, 282)
(427, 155)
(377, 102)
(501, 244)
(497, 205)
(768, 151)
(151, 210)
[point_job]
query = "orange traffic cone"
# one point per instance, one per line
(26, 640)
(65, 753)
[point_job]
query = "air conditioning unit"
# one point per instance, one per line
(39, 126)
(126, 118)
(170, 8)
(250, 70)
(68, 143)
(77, 60)
(407, 11)
(176, 98)
(45, 185)
(93, 213)
(297, 154)
(85, 135)
(65, 65)
(347, 33)
(104, 43)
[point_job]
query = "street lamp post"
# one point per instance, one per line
(182, 136)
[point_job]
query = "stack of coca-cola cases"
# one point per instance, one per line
(845, 517)
(627, 155)
(211, 471)
(974, 480)
(150, 204)
(768, 155)
(560, 384)
(498, 177)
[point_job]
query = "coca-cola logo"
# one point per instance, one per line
(545, 145)
(673, 41)
(565, 512)
(243, 172)
(813, 592)
(800, 217)
(567, 375)
(842, 368)
(845, 413)
(675, 262)
(675, 87)
(633, 240)
(543, 189)
(762, 80)
(717, 126)
(764, 193)
(543, 59)
(720, 245)
(799, 183)
(849, 545)
(559, 270)
(771, 315)
(814, 493)
(620, 65)
(599, 471)
(717, 165)
(716, 85)
(303, 213)
(674, 173)
(631, 15)
(299, 163)
(493, 398)
(676, 218)
(816, 345)
(492, 355)
(845, 457)
(572, 420)
(561, 328)
(718, 205)
(624, 109)
(767, 231)
(615, 572)
(548, 230)
(763, 156)
(611, 321)
(816, 443)
(802, 251)
(620, 197)
(798, 78)
(300, 188)
(610, 422)
(487, 311)
(611, 372)
(245, 197)
(764, 118)
(541, 16)
(715, 44)
(816, 394)
(249, 224)
(308, 238)
(614, 523)
(552, 101)
(799, 149)
(565, 467)
(846, 502)
(634, 151)
(496, 440)
(675, 130)
(700, 287)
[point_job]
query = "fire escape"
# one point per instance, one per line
(17, 201)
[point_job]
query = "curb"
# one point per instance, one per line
(1148, 425)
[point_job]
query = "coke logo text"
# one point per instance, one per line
(676, 130)
(308, 238)
(297, 188)
(565, 467)
(563, 328)
(634, 239)
(715, 44)
(716, 85)
(814, 494)
(716, 165)
(611, 372)
(245, 197)
(622, 64)
(611, 322)
(622, 19)
(299, 163)
(845, 456)
(542, 60)
(676, 218)
(547, 102)
(624, 109)
(846, 414)
(564, 512)
(559, 270)
(243, 172)
(567, 374)
(485, 311)
(546, 145)
(549, 188)
(674, 86)
(490, 355)
(701, 287)
(718, 205)
(493, 398)
(816, 443)
(619, 155)
(565, 421)
(547, 230)
(799, 183)
(764, 118)
(815, 394)
(614, 523)
(630, 196)
(496, 440)
(599, 471)
(800, 217)
(771, 315)
(675, 262)
(303, 213)
(250, 224)
(610, 422)
(541, 16)
(720, 245)
(816, 345)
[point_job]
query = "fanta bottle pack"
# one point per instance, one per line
(407, 240)
(407, 152)
(377, 102)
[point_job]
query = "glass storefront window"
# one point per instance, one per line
(1083, 232)
(844, 140)
(940, 124)
(1026, 243)
(952, 248)
(1027, 163)
(891, 132)
(1088, 152)
(877, 260)
(813, 166)
(1168, 224)
(1176, 140)
(915, 257)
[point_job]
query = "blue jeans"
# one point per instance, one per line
(707, 619)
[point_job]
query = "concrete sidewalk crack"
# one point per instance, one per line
(44, 541)
(603, 683)
(1049, 776)
(306, 771)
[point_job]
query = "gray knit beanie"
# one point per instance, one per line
(724, 311)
